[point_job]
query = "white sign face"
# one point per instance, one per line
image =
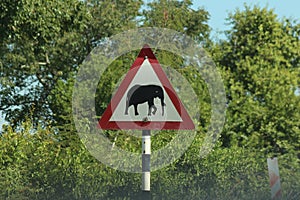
(143, 90)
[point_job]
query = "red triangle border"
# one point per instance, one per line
(186, 124)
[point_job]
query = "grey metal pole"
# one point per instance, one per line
(146, 152)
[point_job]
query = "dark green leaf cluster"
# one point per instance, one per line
(39, 164)
(260, 64)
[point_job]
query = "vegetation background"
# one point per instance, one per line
(43, 43)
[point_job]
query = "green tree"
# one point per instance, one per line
(43, 42)
(260, 64)
(179, 16)
(38, 47)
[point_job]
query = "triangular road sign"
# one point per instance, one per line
(146, 100)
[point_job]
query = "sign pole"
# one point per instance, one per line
(146, 152)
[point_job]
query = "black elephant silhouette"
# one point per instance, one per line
(139, 94)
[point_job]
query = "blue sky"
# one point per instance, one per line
(219, 10)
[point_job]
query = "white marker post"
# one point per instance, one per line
(146, 152)
(274, 178)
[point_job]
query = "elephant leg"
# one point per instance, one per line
(150, 104)
(135, 109)
(149, 110)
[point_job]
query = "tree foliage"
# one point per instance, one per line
(42, 44)
(179, 16)
(260, 61)
(44, 166)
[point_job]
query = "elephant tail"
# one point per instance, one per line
(126, 106)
